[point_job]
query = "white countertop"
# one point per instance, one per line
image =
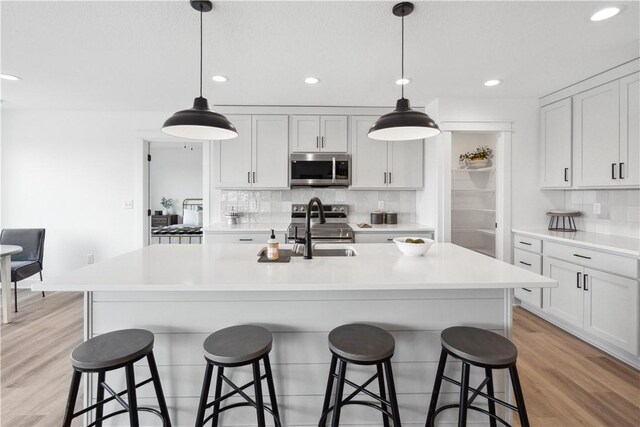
(234, 267)
(627, 246)
(390, 228)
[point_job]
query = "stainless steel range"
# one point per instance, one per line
(335, 230)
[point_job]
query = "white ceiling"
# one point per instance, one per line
(143, 55)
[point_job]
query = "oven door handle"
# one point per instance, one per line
(333, 169)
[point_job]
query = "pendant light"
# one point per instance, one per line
(200, 122)
(403, 124)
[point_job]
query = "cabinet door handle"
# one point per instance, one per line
(620, 175)
(582, 256)
(525, 289)
(254, 177)
(613, 171)
(585, 281)
(245, 240)
(322, 144)
(566, 170)
(525, 263)
(317, 142)
(385, 177)
(525, 243)
(248, 177)
(578, 285)
(389, 177)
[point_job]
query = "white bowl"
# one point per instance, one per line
(413, 249)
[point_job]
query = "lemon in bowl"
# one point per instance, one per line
(413, 246)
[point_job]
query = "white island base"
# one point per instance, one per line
(182, 293)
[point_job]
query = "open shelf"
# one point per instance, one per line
(491, 169)
(474, 210)
(486, 231)
(482, 190)
(484, 251)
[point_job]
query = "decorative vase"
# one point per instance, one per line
(477, 163)
(165, 211)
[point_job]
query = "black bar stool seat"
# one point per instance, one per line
(484, 349)
(107, 352)
(361, 344)
(234, 347)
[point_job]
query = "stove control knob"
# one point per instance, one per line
(342, 209)
(334, 208)
(295, 209)
(302, 208)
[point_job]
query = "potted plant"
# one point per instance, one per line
(476, 159)
(166, 205)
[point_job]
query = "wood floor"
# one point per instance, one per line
(566, 382)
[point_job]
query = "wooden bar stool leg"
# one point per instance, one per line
(157, 385)
(206, 384)
(258, 387)
(464, 395)
(71, 401)
(492, 405)
(329, 392)
(337, 406)
(383, 393)
(99, 398)
(272, 391)
(131, 392)
(436, 388)
(395, 411)
(218, 393)
(517, 392)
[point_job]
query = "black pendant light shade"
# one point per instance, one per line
(200, 122)
(403, 123)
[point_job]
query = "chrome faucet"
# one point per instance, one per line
(307, 234)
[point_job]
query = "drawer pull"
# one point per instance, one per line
(525, 263)
(246, 240)
(620, 171)
(565, 174)
(578, 280)
(585, 281)
(389, 240)
(582, 256)
(613, 171)
(525, 243)
(525, 289)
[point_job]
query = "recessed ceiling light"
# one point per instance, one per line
(9, 77)
(606, 13)
(219, 79)
(311, 80)
(404, 81)
(492, 82)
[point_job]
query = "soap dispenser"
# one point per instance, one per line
(273, 251)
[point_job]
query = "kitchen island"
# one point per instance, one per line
(184, 292)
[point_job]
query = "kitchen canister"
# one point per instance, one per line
(377, 217)
(391, 218)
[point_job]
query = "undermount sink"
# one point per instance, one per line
(321, 250)
(330, 252)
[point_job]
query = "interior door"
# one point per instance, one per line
(333, 134)
(611, 308)
(596, 132)
(555, 144)
(566, 301)
(405, 164)
(629, 169)
(368, 156)
(270, 151)
(305, 134)
(233, 156)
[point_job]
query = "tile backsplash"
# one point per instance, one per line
(619, 211)
(275, 206)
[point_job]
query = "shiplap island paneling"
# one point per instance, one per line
(183, 293)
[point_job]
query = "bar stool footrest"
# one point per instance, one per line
(473, 408)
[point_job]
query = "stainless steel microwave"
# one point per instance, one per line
(320, 170)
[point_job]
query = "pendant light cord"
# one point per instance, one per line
(402, 85)
(201, 50)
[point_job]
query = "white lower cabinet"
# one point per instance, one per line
(369, 237)
(566, 301)
(532, 262)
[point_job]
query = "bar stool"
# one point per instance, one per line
(361, 344)
(233, 347)
(484, 349)
(107, 352)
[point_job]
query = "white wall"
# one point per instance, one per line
(175, 172)
(70, 172)
(529, 203)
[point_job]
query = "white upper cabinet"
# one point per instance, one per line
(596, 132)
(555, 144)
(258, 157)
(319, 133)
(382, 164)
(629, 167)
(233, 156)
(270, 152)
